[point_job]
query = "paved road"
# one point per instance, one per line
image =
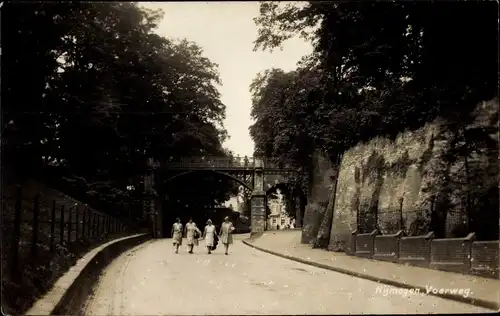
(151, 280)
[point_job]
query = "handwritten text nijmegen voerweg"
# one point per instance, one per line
(389, 290)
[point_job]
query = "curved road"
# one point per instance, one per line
(152, 280)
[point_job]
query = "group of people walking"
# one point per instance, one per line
(192, 234)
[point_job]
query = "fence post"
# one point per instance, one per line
(107, 225)
(52, 225)
(103, 229)
(98, 227)
(93, 224)
(34, 240)
(69, 225)
(17, 232)
(401, 220)
(83, 222)
(77, 228)
(104, 219)
(61, 226)
(89, 224)
(103, 224)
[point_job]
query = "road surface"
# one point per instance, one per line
(151, 279)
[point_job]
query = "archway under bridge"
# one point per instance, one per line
(294, 199)
(192, 194)
(254, 174)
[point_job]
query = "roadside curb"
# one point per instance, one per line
(468, 300)
(70, 293)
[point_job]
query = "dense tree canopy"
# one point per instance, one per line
(376, 69)
(91, 89)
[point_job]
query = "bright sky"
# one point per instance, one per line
(226, 31)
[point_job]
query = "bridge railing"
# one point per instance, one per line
(226, 162)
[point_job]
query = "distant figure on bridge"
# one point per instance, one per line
(177, 234)
(192, 234)
(246, 161)
(226, 233)
(209, 236)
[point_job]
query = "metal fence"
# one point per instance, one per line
(225, 162)
(35, 227)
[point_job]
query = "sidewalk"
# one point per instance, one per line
(483, 292)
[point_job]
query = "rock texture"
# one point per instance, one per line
(417, 182)
(319, 193)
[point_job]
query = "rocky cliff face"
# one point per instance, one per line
(423, 180)
(380, 184)
(319, 193)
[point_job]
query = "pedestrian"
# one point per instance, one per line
(209, 236)
(177, 234)
(192, 234)
(226, 231)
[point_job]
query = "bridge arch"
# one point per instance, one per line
(230, 176)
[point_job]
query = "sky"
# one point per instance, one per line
(226, 31)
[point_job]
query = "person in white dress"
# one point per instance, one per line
(226, 233)
(177, 234)
(209, 236)
(192, 234)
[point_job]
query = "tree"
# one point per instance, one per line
(104, 94)
(383, 45)
(279, 112)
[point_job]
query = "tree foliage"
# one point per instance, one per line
(91, 89)
(381, 67)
